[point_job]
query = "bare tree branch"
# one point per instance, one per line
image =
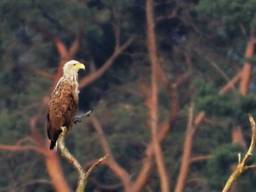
(187, 150)
(153, 104)
(241, 167)
(83, 176)
(231, 84)
(247, 70)
(98, 73)
(200, 158)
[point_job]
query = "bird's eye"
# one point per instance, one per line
(74, 64)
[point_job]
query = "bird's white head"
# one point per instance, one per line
(72, 67)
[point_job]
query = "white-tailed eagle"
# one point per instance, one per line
(63, 102)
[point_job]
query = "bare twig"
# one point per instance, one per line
(241, 167)
(200, 158)
(83, 176)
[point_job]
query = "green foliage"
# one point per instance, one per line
(208, 99)
(229, 105)
(229, 15)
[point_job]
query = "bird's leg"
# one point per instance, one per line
(63, 128)
(78, 118)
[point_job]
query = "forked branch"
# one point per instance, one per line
(242, 164)
(83, 175)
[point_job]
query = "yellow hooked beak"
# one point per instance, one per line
(80, 66)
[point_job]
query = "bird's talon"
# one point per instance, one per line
(77, 121)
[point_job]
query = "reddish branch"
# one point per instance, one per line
(110, 161)
(55, 172)
(231, 84)
(164, 128)
(153, 104)
(246, 72)
(186, 152)
(98, 73)
(200, 158)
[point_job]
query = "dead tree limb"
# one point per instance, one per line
(242, 164)
(83, 175)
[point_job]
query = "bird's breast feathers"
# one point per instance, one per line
(64, 88)
(64, 97)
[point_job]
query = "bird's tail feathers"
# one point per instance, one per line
(52, 145)
(54, 139)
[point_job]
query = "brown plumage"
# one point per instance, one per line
(63, 102)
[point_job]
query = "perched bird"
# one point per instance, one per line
(63, 101)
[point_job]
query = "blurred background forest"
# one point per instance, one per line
(170, 83)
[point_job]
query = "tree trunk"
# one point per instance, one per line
(153, 105)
